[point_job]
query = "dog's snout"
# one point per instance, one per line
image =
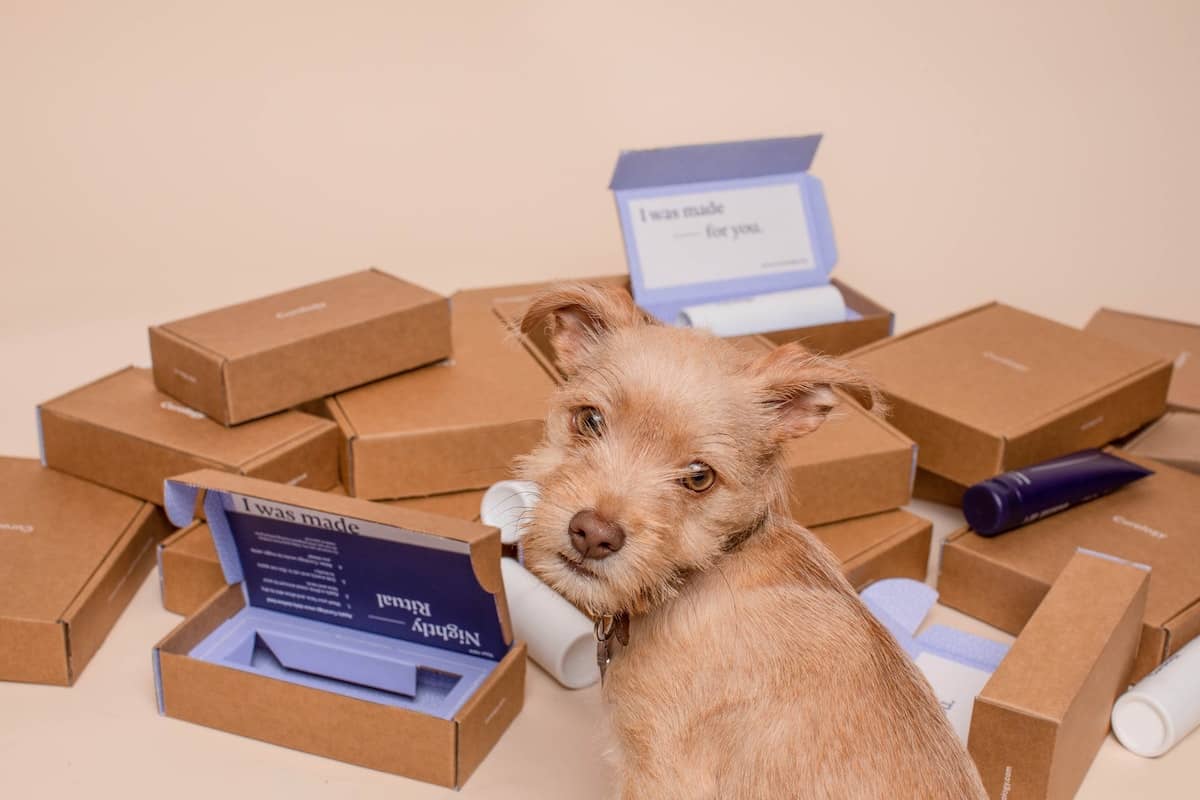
(594, 536)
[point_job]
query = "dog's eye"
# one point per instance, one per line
(700, 477)
(588, 421)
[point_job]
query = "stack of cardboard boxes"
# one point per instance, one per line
(994, 389)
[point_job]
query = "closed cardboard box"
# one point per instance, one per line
(1044, 713)
(853, 465)
(894, 544)
(1179, 342)
(1174, 438)
(996, 388)
(121, 432)
(256, 358)
(449, 427)
(72, 554)
(189, 571)
(350, 629)
(1154, 521)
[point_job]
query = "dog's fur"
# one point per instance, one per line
(753, 670)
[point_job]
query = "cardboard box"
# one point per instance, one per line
(1044, 713)
(121, 432)
(1152, 521)
(256, 358)
(1179, 342)
(72, 554)
(449, 427)
(189, 571)
(1172, 439)
(853, 465)
(331, 698)
(933, 487)
(894, 544)
(996, 388)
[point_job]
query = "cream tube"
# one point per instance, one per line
(795, 308)
(504, 505)
(1163, 707)
(559, 636)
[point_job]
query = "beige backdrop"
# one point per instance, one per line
(158, 159)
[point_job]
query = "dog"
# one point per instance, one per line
(752, 669)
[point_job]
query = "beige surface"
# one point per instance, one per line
(159, 160)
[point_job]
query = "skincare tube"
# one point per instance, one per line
(504, 505)
(1024, 495)
(559, 636)
(796, 308)
(1163, 707)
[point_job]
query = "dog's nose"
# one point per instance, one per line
(594, 536)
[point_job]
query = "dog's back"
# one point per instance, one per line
(768, 678)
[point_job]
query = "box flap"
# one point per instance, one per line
(55, 531)
(700, 163)
(1174, 438)
(267, 322)
(128, 402)
(394, 572)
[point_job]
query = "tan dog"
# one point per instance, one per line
(753, 669)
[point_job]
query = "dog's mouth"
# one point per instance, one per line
(576, 567)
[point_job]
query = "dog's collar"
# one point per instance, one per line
(607, 628)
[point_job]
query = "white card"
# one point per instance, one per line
(956, 686)
(728, 234)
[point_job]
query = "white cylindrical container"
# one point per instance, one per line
(1161, 708)
(504, 505)
(559, 636)
(795, 308)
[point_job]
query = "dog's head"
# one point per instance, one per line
(662, 448)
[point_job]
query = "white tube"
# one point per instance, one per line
(796, 308)
(559, 636)
(1163, 707)
(504, 505)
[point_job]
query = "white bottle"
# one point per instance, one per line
(1163, 707)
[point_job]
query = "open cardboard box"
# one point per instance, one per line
(1043, 714)
(256, 358)
(1179, 342)
(189, 572)
(853, 465)
(448, 427)
(995, 388)
(374, 635)
(72, 555)
(122, 432)
(1153, 521)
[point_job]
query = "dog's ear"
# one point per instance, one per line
(577, 316)
(799, 387)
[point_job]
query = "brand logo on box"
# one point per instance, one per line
(1138, 526)
(16, 527)
(1008, 362)
(418, 607)
(295, 312)
(1182, 359)
(167, 405)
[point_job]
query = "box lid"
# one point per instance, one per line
(279, 319)
(1176, 341)
(1153, 521)
(700, 163)
(128, 402)
(396, 572)
(55, 531)
(491, 380)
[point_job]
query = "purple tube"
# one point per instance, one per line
(1024, 495)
